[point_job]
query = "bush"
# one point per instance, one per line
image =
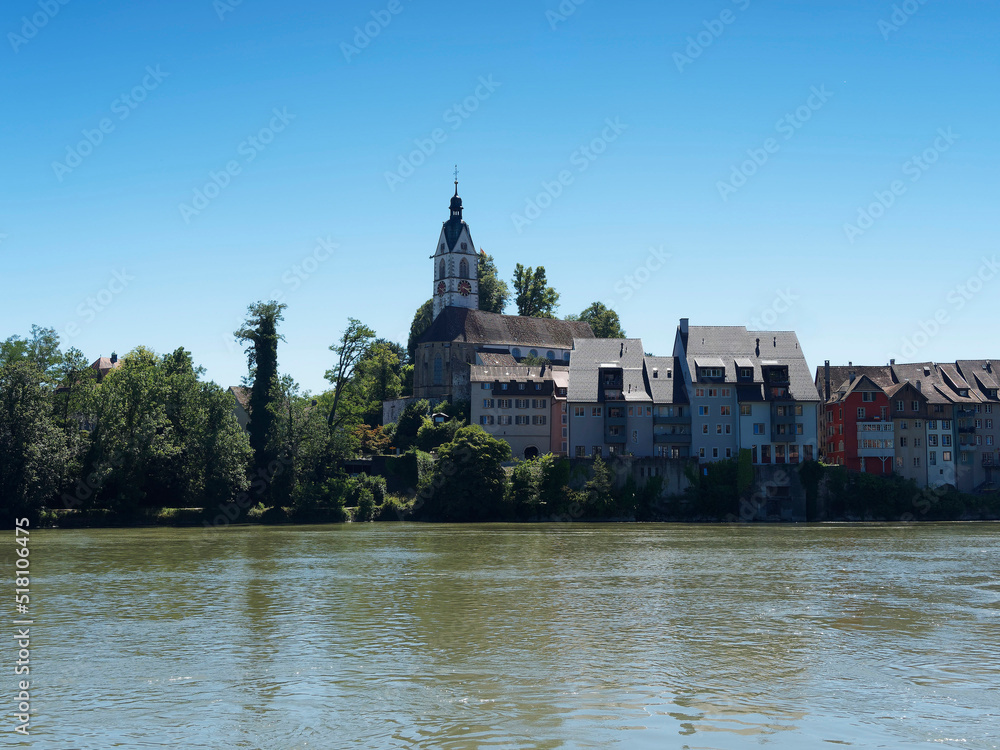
(366, 506)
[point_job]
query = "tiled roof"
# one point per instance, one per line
(242, 395)
(516, 373)
(665, 390)
(496, 360)
(459, 324)
(590, 354)
(982, 371)
(750, 348)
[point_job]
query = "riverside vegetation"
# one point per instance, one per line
(153, 443)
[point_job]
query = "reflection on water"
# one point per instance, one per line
(561, 636)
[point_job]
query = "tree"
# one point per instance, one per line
(493, 291)
(42, 349)
(468, 482)
(261, 331)
(353, 344)
(378, 378)
(603, 321)
(534, 298)
(33, 451)
(410, 422)
(422, 320)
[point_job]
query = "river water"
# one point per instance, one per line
(508, 636)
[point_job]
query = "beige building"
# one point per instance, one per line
(522, 405)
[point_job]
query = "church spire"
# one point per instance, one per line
(456, 180)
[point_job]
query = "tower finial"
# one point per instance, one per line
(456, 179)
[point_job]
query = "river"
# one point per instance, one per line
(510, 636)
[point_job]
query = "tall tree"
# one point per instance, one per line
(468, 482)
(493, 291)
(33, 450)
(42, 348)
(422, 320)
(378, 378)
(534, 298)
(261, 332)
(604, 321)
(353, 344)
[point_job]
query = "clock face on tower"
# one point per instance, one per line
(464, 288)
(441, 288)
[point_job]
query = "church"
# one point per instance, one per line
(462, 336)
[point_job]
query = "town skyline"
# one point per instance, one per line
(174, 182)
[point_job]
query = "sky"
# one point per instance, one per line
(827, 168)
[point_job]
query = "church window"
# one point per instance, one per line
(516, 353)
(441, 269)
(438, 370)
(550, 354)
(463, 269)
(465, 245)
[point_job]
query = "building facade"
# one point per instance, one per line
(521, 405)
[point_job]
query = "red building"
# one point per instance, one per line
(858, 427)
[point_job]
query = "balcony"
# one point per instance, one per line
(967, 430)
(615, 383)
(617, 421)
(788, 436)
(612, 439)
(609, 396)
(674, 438)
(671, 420)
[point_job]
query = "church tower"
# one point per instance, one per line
(456, 263)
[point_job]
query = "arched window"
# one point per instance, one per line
(516, 353)
(463, 269)
(441, 269)
(438, 370)
(533, 352)
(566, 356)
(550, 354)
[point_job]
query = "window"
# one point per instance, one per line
(726, 393)
(931, 424)
(798, 429)
(718, 429)
(904, 425)
(746, 410)
(505, 419)
(441, 272)
(809, 453)
(861, 412)
(725, 411)
(989, 440)
(521, 420)
(916, 442)
(503, 386)
(486, 419)
(899, 462)
(938, 408)
(989, 407)
(565, 419)
(899, 406)
(704, 411)
(729, 429)
(539, 419)
(533, 352)
(914, 406)
(798, 410)
(932, 458)
(729, 452)
(597, 451)
(521, 403)
(487, 403)
(517, 355)
(989, 424)
(868, 396)
(946, 440)
(465, 246)
(713, 392)
(520, 386)
(463, 267)
(595, 411)
(712, 372)
(746, 372)
(917, 424)
(539, 403)
(580, 451)
(538, 386)
(504, 403)
(579, 411)
(715, 452)
(765, 454)
(438, 370)
(758, 428)
(946, 456)
(945, 424)
(902, 442)
(550, 354)
(704, 429)
(699, 392)
(753, 454)
(701, 453)
(965, 456)
(565, 432)
(487, 386)
(979, 424)
(932, 441)
(916, 462)
(631, 411)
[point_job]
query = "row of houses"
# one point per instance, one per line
(726, 389)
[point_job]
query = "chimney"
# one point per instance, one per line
(114, 357)
(826, 378)
(850, 376)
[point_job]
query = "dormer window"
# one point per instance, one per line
(746, 372)
(656, 373)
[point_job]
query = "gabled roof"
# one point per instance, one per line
(460, 324)
(732, 347)
(515, 373)
(591, 354)
(495, 360)
(983, 372)
(242, 395)
(664, 389)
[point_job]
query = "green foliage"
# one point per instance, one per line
(351, 401)
(366, 505)
(744, 471)
(431, 436)
(493, 291)
(603, 321)
(34, 453)
(422, 320)
(410, 422)
(597, 490)
(525, 488)
(468, 482)
(533, 296)
(41, 349)
(713, 493)
(260, 332)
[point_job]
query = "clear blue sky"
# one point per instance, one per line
(773, 252)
